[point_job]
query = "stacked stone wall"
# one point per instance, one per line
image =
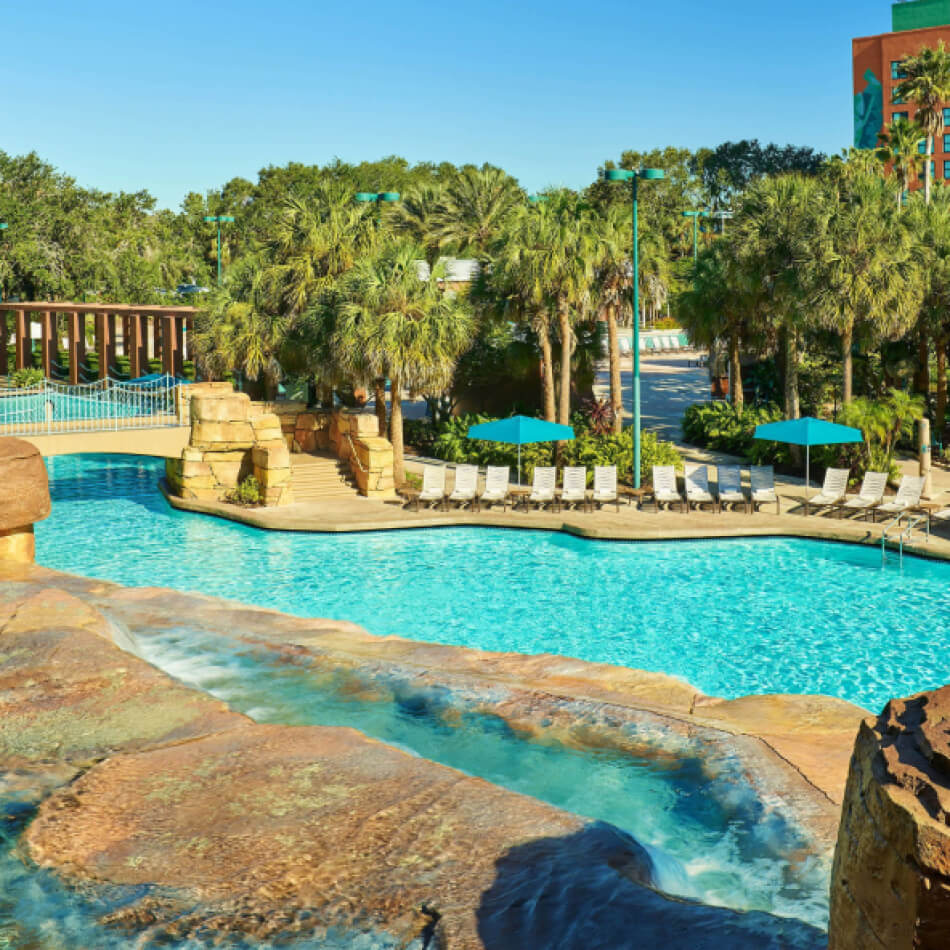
(24, 498)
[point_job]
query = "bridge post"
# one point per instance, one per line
(4, 340)
(76, 347)
(105, 342)
(132, 348)
(178, 335)
(24, 352)
(47, 342)
(157, 337)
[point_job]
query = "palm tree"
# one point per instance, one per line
(864, 274)
(475, 206)
(900, 146)
(778, 223)
(416, 217)
(928, 86)
(392, 323)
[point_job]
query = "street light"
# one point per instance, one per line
(537, 199)
(623, 174)
(722, 215)
(695, 215)
(219, 219)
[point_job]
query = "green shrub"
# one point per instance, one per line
(26, 378)
(587, 448)
(719, 426)
(247, 493)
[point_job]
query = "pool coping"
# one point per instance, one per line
(670, 526)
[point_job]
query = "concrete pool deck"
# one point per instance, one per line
(338, 515)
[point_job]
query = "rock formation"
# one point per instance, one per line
(891, 879)
(24, 498)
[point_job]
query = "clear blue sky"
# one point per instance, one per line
(176, 96)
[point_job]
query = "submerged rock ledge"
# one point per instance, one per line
(273, 829)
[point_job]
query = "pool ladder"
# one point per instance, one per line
(905, 533)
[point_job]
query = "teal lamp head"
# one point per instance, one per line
(651, 173)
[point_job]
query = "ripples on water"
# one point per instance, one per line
(732, 617)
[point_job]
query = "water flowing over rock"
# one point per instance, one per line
(891, 877)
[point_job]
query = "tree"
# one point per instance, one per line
(392, 323)
(928, 86)
(475, 206)
(864, 274)
(416, 217)
(900, 147)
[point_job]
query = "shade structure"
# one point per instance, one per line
(520, 430)
(808, 431)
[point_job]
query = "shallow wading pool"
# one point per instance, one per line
(732, 617)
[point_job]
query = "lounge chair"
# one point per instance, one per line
(697, 488)
(730, 487)
(433, 487)
(466, 486)
(762, 478)
(605, 486)
(664, 487)
(496, 486)
(542, 487)
(870, 495)
(574, 491)
(833, 491)
(907, 497)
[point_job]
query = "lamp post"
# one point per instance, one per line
(623, 174)
(695, 215)
(378, 197)
(722, 215)
(219, 219)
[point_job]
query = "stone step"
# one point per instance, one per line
(319, 477)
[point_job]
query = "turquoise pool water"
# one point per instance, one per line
(732, 616)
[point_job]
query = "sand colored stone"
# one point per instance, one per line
(891, 877)
(24, 498)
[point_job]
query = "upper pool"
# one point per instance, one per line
(731, 617)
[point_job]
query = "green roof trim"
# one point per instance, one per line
(919, 14)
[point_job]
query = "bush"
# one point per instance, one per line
(248, 493)
(26, 378)
(587, 448)
(719, 426)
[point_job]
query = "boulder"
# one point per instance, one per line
(891, 876)
(220, 407)
(24, 498)
(24, 487)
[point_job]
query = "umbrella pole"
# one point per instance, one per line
(807, 474)
(519, 464)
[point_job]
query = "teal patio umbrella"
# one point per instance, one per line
(520, 430)
(808, 431)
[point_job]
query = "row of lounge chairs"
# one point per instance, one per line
(729, 491)
(659, 343)
(543, 491)
(870, 497)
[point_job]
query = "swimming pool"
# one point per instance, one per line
(732, 617)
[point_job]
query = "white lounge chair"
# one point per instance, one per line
(496, 486)
(762, 479)
(605, 486)
(433, 487)
(466, 485)
(574, 490)
(729, 487)
(907, 497)
(833, 491)
(542, 486)
(869, 496)
(664, 487)
(942, 516)
(697, 488)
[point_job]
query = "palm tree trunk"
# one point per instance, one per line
(564, 403)
(930, 151)
(547, 370)
(941, 419)
(922, 376)
(380, 399)
(616, 388)
(396, 436)
(847, 365)
(792, 406)
(735, 371)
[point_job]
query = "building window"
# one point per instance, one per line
(896, 99)
(946, 142)
(896, 71)
(946, 117)
(946, 169)
(900, 117)
(922, 147)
